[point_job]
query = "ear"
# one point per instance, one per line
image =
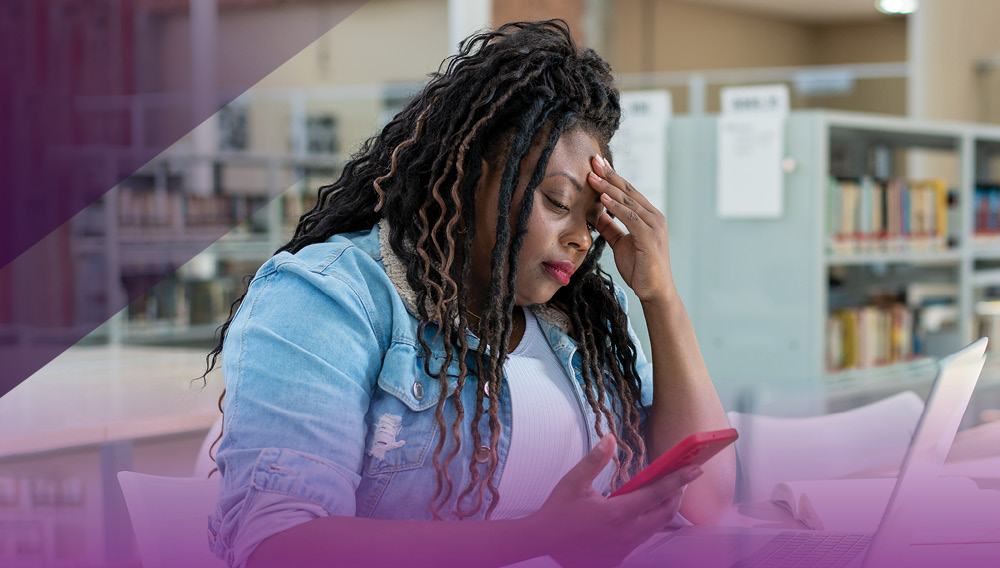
(489, 179)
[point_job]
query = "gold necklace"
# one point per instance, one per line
(479, 319)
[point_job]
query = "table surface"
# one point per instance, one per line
(96, 394)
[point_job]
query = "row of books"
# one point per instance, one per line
(894, 215)
(179, 301)
(151, 209)
(860, 338)
(893, 326)
(146, 210)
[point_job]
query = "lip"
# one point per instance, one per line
(561, 271)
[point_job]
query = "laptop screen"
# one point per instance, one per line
(956, 379)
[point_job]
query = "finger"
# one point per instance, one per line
(654, 519)
(610, 230)
(605, 171)
(584, 472)
(629, 216)
(617, 195)
(656, 492)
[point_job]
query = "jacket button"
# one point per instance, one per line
(418, 390)
(483, 454)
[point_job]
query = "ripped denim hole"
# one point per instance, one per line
(385, 436)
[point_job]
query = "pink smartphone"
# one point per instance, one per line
(696, 449)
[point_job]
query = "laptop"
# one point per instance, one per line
(724, 547)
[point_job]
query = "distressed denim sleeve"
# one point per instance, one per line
(300, 361)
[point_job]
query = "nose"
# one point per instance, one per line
(577, 234)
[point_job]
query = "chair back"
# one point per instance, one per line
(170, 518)
(772, 450)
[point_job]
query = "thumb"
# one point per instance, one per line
(584, 472)
(611, 232)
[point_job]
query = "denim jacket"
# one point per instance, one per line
(328, 407)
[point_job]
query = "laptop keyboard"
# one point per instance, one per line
(807, 550)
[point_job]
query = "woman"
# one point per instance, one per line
(436, 341)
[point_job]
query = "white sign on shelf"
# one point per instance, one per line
(639, 147)
(763, 99)
(750, 149)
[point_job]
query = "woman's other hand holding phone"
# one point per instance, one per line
(580, 527)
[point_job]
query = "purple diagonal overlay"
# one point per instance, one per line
(89, 93)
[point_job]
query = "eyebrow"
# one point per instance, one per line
(574, 181)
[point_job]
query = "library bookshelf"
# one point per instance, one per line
(186, 306)
(145, 241)
(886, 257)
(58, 503)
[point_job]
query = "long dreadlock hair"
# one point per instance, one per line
(505, 92)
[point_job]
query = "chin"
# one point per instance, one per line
(538, 297)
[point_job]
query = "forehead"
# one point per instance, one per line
(574, 147)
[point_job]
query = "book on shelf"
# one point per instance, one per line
(888, 216)
(986, 212)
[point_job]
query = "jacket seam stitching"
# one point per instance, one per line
(324, 271)
(373, 322)
(240, 362)
(384, 482)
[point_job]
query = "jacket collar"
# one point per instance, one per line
(396, 271)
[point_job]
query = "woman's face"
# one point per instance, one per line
(564, 212)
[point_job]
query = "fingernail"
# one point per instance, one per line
(606, 442)
(600, 160)
(606, 198)
(692, 473)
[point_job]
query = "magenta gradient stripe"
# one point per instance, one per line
(62, 65)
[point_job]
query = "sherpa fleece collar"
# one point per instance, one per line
(396, 271)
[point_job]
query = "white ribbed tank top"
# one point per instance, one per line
(548, 434)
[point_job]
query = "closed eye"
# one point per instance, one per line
(590, 226)
(557, 204)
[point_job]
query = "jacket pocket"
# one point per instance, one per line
(402, 428)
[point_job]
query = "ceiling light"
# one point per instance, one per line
(896, 6)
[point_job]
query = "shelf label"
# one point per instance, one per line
(764, 99)
(750, 150)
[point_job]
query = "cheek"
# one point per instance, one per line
(536, 240)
